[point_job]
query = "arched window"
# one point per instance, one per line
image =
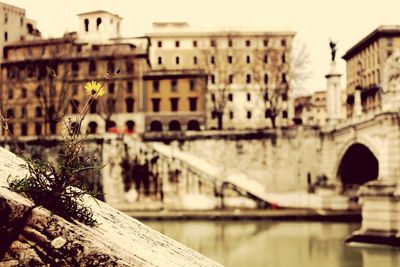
(39, 91)
(98, 23)
(86, 25)
(193, 125)
(53, 127)
(156, 126)
(92, 127)
(174, 125)
(130, 126)
(129, 104)
(110, 126)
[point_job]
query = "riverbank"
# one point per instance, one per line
(261, 214)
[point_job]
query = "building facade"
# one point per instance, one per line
(15, 26)
(44, 80)
(247, 72)
(365, 62)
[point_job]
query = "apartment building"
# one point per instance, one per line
(15, 26)
(247, 71)
(365, 62)
(44, 79)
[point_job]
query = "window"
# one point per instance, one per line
(93, 107)
(230, 59)
(231, 115)
(159, 44)
(159, 60)
(86, 25)
(283, 58)
(265, 42)
(177, 44)
(74, 89)
(230, 97)
(110, 67)
(284, 97)
(389, 41)
(38, 129)
(111, 88)
(248, 78)
(129, 67)
(283, 77)
(193, 103)
(111, 105)
(266, 78)
(195, 60)
(5, 36)
(24, 129)
(10, 113)
(194, 43)
(213, 114)
(283, 42)
(213, 43)
(98, 23)
(174, 85)
(174, 103)
(74, 106)
(5, 18)
(192, 85)
(247, 59)
(213, 79)
(212, 60)
(248, 43)
(38, 112)
(177, 59)
(129, 87)
(265, 58)
(212, 97)
(23, 112)
(24, 92)
(92, 67)
(10, 94)
(75, 69)
(284, 114)
(129, 104)
(249, 114)
(230, 78)
(266, 96)
(248, 97)
(156, 86)
(230, 43)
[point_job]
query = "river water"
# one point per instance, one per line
(275, 244)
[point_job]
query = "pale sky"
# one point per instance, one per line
(315, 21)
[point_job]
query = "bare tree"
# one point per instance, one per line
(277, 73)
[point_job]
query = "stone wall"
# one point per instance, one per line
(281, 160)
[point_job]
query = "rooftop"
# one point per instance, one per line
(381, 31)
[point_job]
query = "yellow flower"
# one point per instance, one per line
(94, 89)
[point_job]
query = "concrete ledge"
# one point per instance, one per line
(36, 237)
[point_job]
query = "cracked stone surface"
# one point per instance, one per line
(28, 234)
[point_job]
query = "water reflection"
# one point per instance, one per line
(259, 243)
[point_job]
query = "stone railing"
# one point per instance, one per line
(33, 236)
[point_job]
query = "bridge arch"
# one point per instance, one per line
(357, 164)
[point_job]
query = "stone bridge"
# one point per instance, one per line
(362, 149)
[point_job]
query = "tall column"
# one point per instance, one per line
(333, 94)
